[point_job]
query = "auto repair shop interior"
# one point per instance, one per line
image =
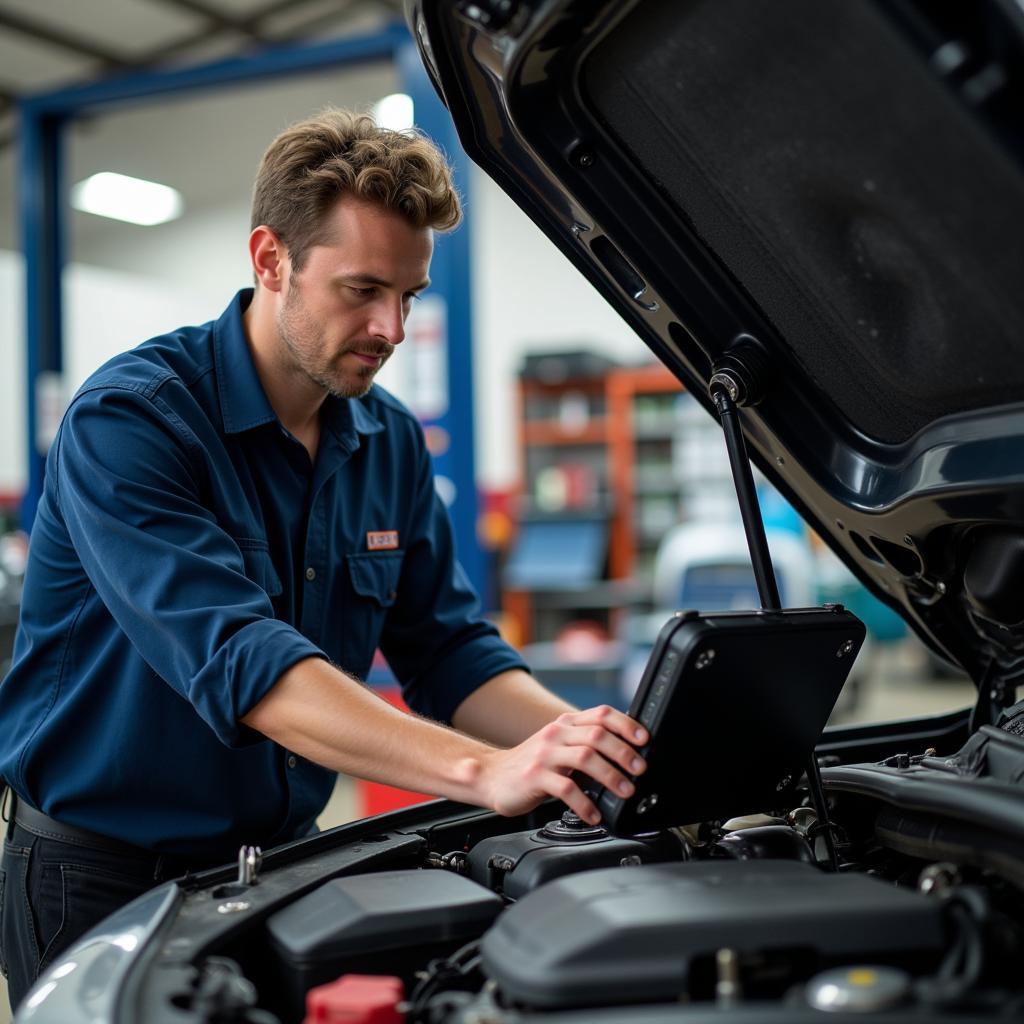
(592, 498)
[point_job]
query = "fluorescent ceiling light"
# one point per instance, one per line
(130, 199)
(394, 112)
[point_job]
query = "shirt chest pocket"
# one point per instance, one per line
(259, 567)
(375, 576)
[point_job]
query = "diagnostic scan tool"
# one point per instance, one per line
(734, 703)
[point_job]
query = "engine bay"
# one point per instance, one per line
(876, 871)
(462, 916)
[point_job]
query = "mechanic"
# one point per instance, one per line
(234, 518)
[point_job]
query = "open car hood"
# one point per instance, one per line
(831, 193)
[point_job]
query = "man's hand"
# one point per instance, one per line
(323, 715)
(595, 742)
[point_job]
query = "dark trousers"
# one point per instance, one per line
(52, 892)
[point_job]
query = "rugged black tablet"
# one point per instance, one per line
(734, 703)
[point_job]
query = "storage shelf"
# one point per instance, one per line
(529, 510)
(605, 594)
(655, 490)
(659, 433)
(553, 433)
(631, 413)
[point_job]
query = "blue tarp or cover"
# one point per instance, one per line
(563, 554)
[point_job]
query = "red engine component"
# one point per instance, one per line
(356, 999)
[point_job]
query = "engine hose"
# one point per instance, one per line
(962, 966)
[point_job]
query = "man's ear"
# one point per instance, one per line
(269, 258)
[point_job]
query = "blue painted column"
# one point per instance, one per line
(450, 429)
(43, 245)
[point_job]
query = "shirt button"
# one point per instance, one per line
(292, 761)
(311, 574)
(392, 594)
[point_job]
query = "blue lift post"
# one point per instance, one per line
(450, 277)
(43, 205)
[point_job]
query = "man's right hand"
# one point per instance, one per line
(596, 742)
(321, 714)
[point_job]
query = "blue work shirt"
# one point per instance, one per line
(186, 552)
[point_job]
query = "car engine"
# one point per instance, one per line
(884, 883)
(464, 918)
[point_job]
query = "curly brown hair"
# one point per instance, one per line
(310, 165)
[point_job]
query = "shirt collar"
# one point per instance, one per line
(244, 403)
(347, 418)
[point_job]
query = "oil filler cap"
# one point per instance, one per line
(572, 829)
(858, 989)
(357, 998)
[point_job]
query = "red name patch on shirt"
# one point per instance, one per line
(382, 540)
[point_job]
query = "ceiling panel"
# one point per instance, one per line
(29, 66)
(214, 46)
(242, 7)
(124, 26)
(289, 21)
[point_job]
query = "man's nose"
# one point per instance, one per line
(389, 322)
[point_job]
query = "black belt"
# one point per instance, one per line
(45, 827)
(167, 865)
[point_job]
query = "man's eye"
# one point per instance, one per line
(409, 296)
(363, 293)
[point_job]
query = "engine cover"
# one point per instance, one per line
(637, 934)
(352, 925)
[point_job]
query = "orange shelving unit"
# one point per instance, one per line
(597, 446)
(634, 432)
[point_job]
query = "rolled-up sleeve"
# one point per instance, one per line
(129, 487)
(435, 639)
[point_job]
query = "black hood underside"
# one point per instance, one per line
(875, 223)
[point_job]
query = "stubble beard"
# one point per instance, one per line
(303, 338)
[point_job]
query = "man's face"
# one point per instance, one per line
(344, 312)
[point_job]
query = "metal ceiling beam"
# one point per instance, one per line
(344, 9)
(318, 20)
(249, 24)
(219, 19)
(260, 15)
(47, 33)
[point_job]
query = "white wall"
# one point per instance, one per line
(205, 251)
(105, 312)
(526, 298)
(108, 311)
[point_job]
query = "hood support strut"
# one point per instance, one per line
(734, 383)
